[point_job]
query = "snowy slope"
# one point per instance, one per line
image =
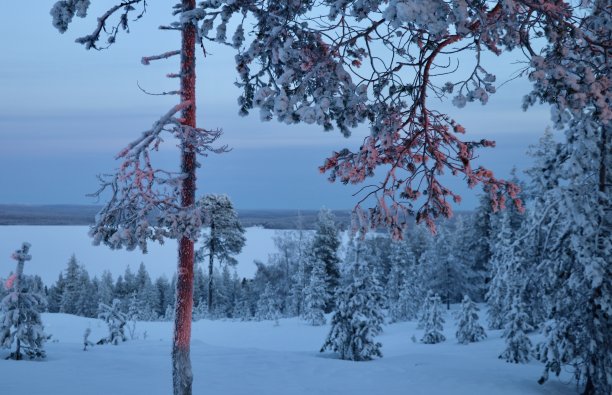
(232, 357)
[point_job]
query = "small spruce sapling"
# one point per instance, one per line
(133, 315)
(116, 321)
(469, 329)
(86, 341)
(434, 324)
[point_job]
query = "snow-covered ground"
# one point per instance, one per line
(52, 247)
(253, 358)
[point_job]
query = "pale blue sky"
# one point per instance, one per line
(65, 112)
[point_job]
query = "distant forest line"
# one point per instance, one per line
(14, 214)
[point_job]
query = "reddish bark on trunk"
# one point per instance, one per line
(181, 367)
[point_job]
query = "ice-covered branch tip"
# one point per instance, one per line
(146, 60)
(63, 11)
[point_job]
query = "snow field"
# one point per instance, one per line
(234, 358)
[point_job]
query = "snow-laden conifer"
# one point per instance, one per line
(425, 309)
(358, 315)
(325, 246)
(54, 296)
(411, 291)
(243, 310)
(478, 241)
(400, 302)
(468, 328)
(72, 287)
(20, 323)
(267, 306)
(444, 269)
(518, 346)
(434, 322)
(497, 294)
(116, 322)
(315, 295)
(410, 298)
(575, 264)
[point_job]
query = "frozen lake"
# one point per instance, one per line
(52, 247)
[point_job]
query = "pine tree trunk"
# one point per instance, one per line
(447, 287)
(211, 258)
(182, 375)
(18, 351)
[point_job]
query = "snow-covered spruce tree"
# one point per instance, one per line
(325, 246)
(434, 324)
(518, 346)
(507, 265)
(148, 203)
(243, 308)
(425, 309)
(503, 254)
(444, 270)
(72, 287)
(302, 244)
(404, 288)
(469, 329)
(315, 295)
(411, 296)
(223, 239)
(376, 251)
(532, 252)
(358, 315)
(576, 266)
(115, 320)
(479, 240)
(267, 306)
(474, 277)
(20, 323)
(286, 257)
(573, 74)
(145, 294)
(55, 294)
(106, 288)
(226, 291)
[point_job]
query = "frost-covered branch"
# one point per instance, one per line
(64, 10)
(146, 60)
(144, 202)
